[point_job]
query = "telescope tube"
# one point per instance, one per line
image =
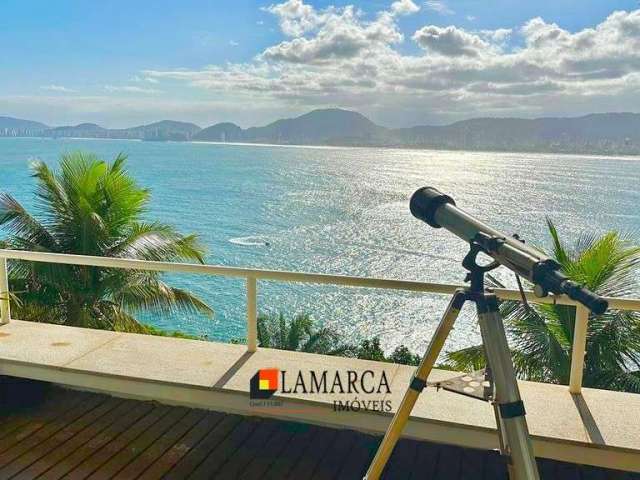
(439, 210)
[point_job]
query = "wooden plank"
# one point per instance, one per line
(335, 456)
(495, 466)
(70, 449)
(425, 462)
(547, 468)
(401, 460)
(360, 456)
(56, 440)
(449, 462)
(96, 452)
(125, 456)
(30, 420)
(80, 434)
(161, 445)
(472, 463)
(593, 473)
(281, 454)
(219, 455)
(258, 440)
(182, 447)
(57, 399)
(567, 471)
(312, 454)
(196, 455)
(29, 438)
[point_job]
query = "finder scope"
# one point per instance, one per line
(439, 210)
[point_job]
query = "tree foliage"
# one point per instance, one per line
(541, 335)
(300, 334)
(91, 207)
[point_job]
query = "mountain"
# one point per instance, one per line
(327, 126)
(220, 132)
(598, 133)
(161, 131)
(164, 130)
(84, 130)
(16, 127)
(615, 133)
(606, 133)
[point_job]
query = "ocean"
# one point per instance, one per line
(345, 211)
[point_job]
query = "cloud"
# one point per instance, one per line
(132, 89)
(340, 56)
(139, 79)
(233, 43)
(340, 34)
(499, 35)
(439, 7)
(404, 7)
(450, 41)
(295, 17)
(56, 88)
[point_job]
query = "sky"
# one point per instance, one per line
(400, 62)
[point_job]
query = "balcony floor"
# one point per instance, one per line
(592, 428)
(77, 435)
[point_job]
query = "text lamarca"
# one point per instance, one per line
(349, 381)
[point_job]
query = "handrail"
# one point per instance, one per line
(251, 275)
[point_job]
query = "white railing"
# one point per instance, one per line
(253, 275)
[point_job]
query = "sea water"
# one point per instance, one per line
(345, 211)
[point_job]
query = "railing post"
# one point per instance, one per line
(578, 350)
(252, 314)
(5, 308)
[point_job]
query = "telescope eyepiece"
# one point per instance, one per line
(425, 202)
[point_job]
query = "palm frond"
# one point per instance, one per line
(24, 228)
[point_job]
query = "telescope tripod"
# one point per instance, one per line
(500, 386)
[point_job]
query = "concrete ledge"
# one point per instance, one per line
(598, 427)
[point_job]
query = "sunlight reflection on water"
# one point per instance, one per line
(344, 211)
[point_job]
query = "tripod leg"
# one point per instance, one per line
(506, 393)
(418, 383)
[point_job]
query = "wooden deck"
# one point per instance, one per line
(76, 435)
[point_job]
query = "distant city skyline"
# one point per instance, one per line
(398, 62)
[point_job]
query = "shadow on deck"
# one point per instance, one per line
(53, 433)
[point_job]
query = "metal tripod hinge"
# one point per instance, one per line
(502, 384)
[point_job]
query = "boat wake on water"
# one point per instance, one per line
(251, 241)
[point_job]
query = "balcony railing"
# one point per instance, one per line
(252, 276)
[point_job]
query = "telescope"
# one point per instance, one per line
(497, 383)
(439, 210)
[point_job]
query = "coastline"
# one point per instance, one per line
(619, 156)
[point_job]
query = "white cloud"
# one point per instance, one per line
(131, 89)
(138, 78)
(439, 7)
(338, 56)
(450, 41)
(295, 17)
(233, 43)
(340, 34)
(56, 88)
(499, 35)
(404, 7)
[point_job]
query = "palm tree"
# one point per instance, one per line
(90, 207)
(298, 333)
(541, 336)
